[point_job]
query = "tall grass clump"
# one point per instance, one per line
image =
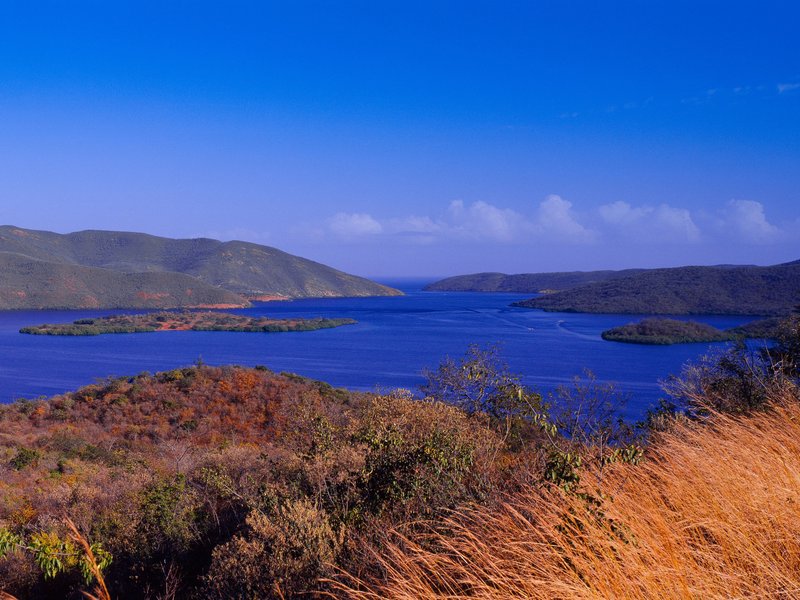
(713, 513)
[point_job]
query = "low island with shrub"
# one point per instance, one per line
(665, 332)
(658, 331)
(183, 321)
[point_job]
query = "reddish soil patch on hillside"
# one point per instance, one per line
(267, 297)
(151, 295)
(218, 306)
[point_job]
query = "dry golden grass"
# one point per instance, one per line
(713, 513)
(100, 591)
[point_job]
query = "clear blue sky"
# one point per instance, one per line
(412, 138)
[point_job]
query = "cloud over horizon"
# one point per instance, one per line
(788, 87)
(555, 220)
(662, 223)
(747, 219)
(354, 224)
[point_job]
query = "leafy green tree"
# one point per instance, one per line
(55, 553)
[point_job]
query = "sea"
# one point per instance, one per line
(395, 340)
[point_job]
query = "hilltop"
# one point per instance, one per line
(533, 283)
(731, 290)
(113, 269)
(189, 466)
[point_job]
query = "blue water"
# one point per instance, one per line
(394, 340)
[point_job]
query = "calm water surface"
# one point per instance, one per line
(395, 339)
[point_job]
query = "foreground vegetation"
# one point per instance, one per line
(227, 482)
(182, 321)
(711, 513)
(210, 482)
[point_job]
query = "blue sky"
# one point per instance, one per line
(412, 138)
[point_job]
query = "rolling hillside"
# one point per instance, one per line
(31, 283)
(130, 270)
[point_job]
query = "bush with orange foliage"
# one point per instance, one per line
(190, 476)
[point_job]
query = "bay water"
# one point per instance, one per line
(394, 340)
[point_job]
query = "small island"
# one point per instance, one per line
(660, 331)
(183, 321)
(665, 332)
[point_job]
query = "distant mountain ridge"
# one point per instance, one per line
(524, 283)
(731, 290)
(112, 269)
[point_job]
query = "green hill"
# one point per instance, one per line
(31, 283)
(532, 283)
(732, 290)
(135, 270)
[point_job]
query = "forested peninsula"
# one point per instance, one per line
(723, 290)
(525, 283)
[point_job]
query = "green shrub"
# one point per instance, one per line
(167, 515)
(25, 457)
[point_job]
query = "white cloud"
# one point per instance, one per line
(622, 213)
(662, 223)
(555, 218)
(413, 224)
(413, 229)
(677, 221)
(349, 225)
(481, 220)
(747, 219)
(788, 87)
(555, 221)
(476, 221)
